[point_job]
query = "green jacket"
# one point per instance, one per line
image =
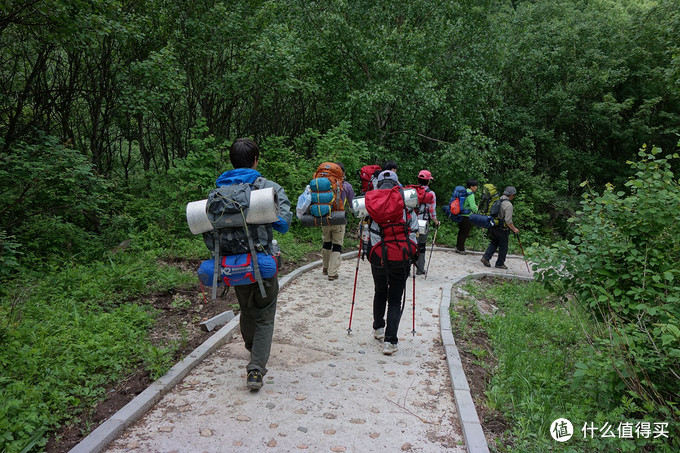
(470, 203)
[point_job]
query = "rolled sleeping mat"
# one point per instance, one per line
(482, 221)
(197, 218)
(359, 207)
(263, 209)
(264, 206)
(335, 218)
(411, 198)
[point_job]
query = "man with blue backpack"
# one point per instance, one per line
(257, 300)
(468, 207)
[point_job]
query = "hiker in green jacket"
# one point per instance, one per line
(468, 208)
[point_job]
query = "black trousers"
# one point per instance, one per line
(464, 228)
(389, 289)
(499, 238)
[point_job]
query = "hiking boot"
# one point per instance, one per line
(332, 277)
(460, 252)
(254, 381)
(502, 266)
(485, 262)
(379, 334)
(419, 272)
(390, 348)
(324, 271)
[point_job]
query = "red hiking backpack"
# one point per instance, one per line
(425, 196)
(366, 175)
(387, 208)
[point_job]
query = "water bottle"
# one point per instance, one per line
(276, 252)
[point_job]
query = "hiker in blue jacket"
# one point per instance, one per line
(257, 312)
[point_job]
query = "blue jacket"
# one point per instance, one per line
(248, 175)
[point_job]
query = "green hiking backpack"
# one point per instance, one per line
(489, 196)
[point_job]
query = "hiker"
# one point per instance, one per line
(500, 233)
(427, 212)
(389, 165)
(257, 312)
(392, 249)
(468, 208)
(333, 236)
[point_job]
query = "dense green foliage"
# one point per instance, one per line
(114, 115)
(621, 265)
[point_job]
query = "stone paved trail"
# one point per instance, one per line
(325, 390)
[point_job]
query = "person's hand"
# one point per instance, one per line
(437, 223)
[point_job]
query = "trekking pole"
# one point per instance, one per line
(413, 331)
(522, 249)
(431, 250)
(356, 274)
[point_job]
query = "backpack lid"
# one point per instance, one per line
(386, 205)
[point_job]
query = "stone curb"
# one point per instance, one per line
(473, 433)
(98, 439)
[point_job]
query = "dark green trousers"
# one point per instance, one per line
(257, 320)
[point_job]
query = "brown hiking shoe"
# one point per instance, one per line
(485, 262)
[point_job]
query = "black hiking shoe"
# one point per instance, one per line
(254, 381)
(502, 266)
(485, 262)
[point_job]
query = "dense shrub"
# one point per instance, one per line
(622, 264)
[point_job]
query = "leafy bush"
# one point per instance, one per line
(622, 265)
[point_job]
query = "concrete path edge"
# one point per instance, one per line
(98, 439)
(473, 433)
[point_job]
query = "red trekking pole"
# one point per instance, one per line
(356, 274)
(413, 331)
(522, 249)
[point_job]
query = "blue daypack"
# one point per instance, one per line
(238, 269)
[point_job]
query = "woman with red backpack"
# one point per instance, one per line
(392, 248)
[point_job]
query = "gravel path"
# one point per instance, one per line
(325, 390)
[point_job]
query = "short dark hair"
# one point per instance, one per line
(243, 152)
(423, 182)
(472, 182)
(390, 165)
(341, 166)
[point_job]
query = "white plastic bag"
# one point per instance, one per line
(304, 201)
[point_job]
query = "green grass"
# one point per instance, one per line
(541, 351)
(66, 335)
